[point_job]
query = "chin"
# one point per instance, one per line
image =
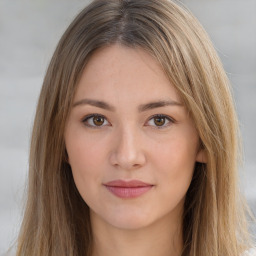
(129, 222)
(130, 225)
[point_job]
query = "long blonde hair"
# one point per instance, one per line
(56, 219)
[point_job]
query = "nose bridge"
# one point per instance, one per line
(128, 152)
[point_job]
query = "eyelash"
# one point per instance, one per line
(168, 118)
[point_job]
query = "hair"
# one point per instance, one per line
(215, 219)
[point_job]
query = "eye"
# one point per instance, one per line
(160, 121)
(95, 121)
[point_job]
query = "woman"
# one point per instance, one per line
(135, 141)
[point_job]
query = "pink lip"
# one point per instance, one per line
(128, 189)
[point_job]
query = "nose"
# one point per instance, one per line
(127, 152)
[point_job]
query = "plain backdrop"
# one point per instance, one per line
(29, 32)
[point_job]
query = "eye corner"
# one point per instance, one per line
(86, 121)
(167, 124)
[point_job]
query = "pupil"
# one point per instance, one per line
(98, 120)
(159, 121)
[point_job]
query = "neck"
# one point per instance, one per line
(161, 239)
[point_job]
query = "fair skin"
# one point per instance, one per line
(126, 142)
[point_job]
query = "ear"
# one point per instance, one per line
(201, 156)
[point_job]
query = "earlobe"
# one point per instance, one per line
(201, 156)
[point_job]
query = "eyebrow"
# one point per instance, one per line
(141, 108)
(158, 104)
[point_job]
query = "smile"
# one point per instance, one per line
(128, 189)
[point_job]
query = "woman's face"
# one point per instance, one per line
(131, 144)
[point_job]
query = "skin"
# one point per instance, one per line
(129, 144)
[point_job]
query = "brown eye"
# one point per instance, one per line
(159, 121)
(98, 120)
(95, 121)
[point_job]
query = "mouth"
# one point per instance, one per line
(128, 189)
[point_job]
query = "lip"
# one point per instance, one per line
(128, 189)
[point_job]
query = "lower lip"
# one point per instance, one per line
(130, 192)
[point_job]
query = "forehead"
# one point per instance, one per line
(118, 71)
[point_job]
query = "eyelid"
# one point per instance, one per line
(170, 119)
(86, 118)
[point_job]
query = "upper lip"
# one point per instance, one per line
(127, 184)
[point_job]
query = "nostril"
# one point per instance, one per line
(127, 160)
(127, 151)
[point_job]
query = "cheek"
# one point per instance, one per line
(86, 160)
(178, 153)
(85, 152)
(176, 163)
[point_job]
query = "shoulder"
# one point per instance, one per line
(251, 252)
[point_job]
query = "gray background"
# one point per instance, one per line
(29, 31)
